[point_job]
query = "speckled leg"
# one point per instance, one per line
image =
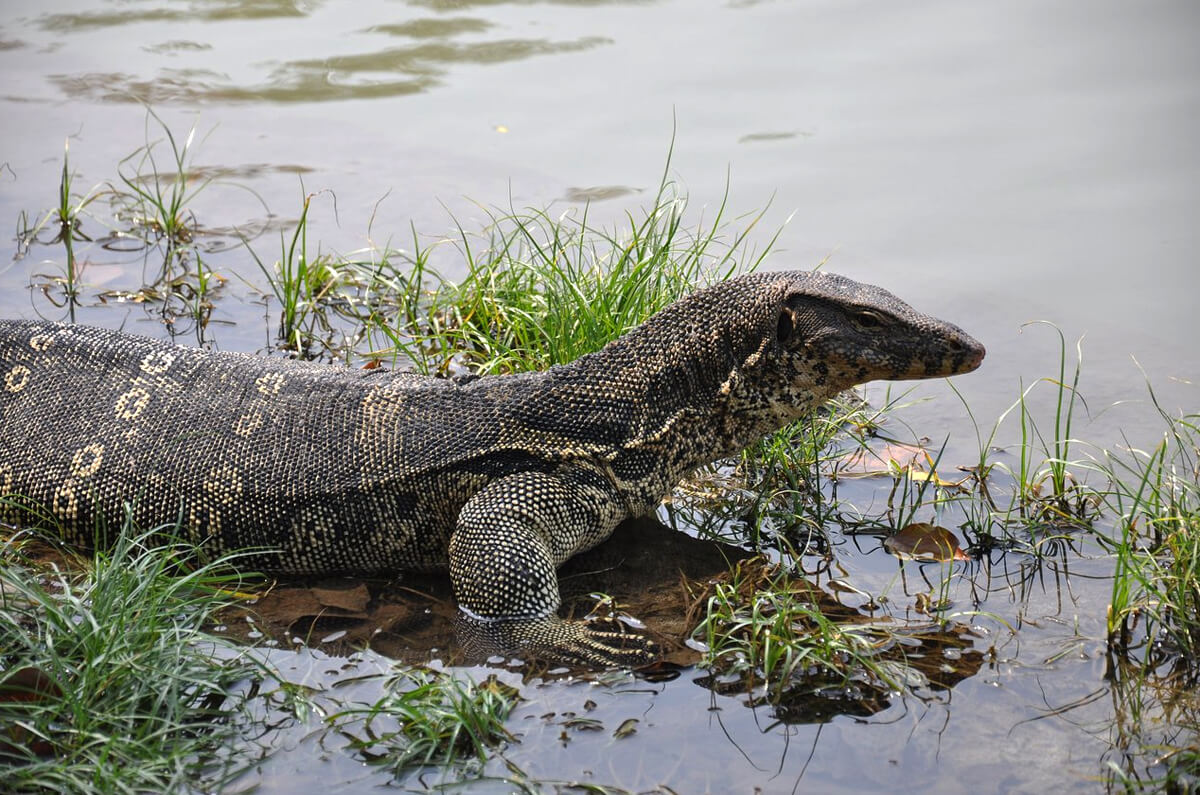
(510, 538)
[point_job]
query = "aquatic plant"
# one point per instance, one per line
(1155, 495)
(428, 718)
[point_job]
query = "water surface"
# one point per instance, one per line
(991, 163)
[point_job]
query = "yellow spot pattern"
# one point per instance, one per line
(269, 384)
(224, 484)
(41, 342)
(17, 378)
(65, 504)
(130, 404)
(87, 460)
(203, 518)
(248, 423)
(157, 363)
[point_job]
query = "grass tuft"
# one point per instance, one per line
(427, 718)
(156, 202)
(542, 290)
(1155, 602)
(109, 683)
(773, 630)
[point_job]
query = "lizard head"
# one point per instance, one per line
(815, 334)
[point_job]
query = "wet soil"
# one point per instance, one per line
(649, 571)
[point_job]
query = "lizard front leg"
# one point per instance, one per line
(510, 538)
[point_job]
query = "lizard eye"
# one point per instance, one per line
(785, 327)
(866, 319)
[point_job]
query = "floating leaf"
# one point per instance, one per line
(924, 541)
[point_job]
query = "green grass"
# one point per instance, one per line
(66, 219)
(781, 492)
(538, 290)
(1155, 494)
(300, 283)
(542, 290)
(769, 628)
(427, 718)
(155, 201)
(1034, 495)
(110, 683)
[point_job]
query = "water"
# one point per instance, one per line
(991, 163)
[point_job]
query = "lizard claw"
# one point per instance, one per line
(607, 643)
(589, 644)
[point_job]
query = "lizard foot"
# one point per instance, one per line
(604, 643)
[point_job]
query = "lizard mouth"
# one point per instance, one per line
(973, 356)
(962, 354)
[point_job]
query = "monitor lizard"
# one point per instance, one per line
(323, 469)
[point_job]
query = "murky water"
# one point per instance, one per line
(991, 163)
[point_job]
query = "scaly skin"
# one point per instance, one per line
(500, 479)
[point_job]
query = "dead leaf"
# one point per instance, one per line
(924, 541)
(353, 599)
(29, 684)
(935, 478)
(627, 727)
(289, 605)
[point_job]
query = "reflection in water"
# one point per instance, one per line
(384, 73)
(435, 42)
(433, 28)
(599, 193)
(430, 58)
(1155, 727)
(192, 12)
(174, 47)
(454, 5)
(771, 136)
(802, 652)
(197, 11)
(657, 575)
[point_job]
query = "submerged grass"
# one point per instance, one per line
(109, 683)
(67, 217)
(770, 628)
(426, 718)
(149, 213)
